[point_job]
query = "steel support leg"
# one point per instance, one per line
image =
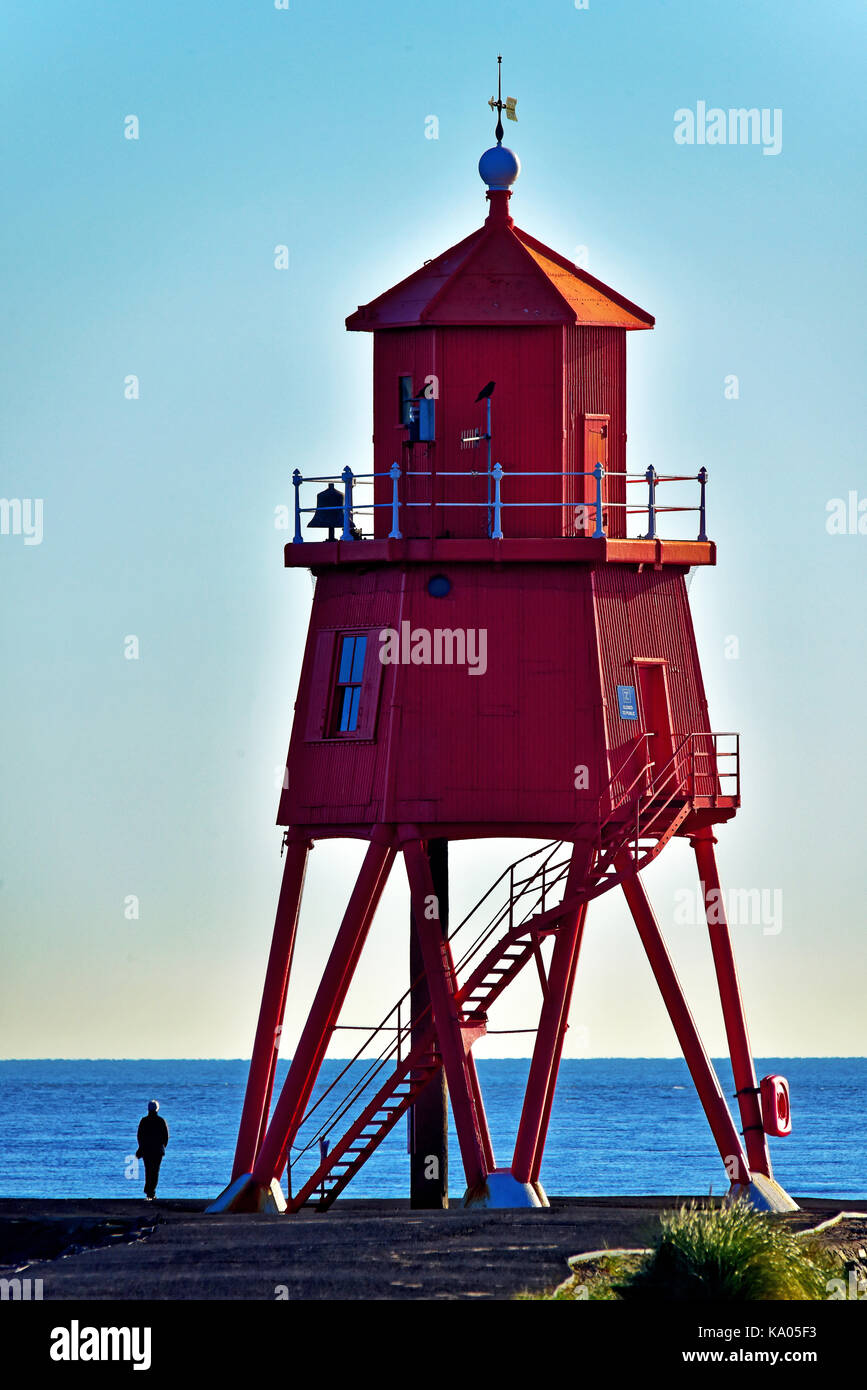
(475, 1087)
(439, 970)
(553, 1021)
(260, 1079)
(317, 1031)
(734, 1017)
(558, 1052)
(706, 1082)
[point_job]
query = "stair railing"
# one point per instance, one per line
(518, 888)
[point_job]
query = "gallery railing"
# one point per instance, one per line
(341, 512)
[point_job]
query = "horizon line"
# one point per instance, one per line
(606, 1057)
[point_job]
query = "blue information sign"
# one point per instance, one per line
(627, 702)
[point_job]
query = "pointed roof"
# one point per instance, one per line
(499, 274)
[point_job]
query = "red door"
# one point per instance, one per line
(652, 682)
(579, 513)
(595, 451)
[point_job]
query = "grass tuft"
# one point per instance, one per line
(732, 1252)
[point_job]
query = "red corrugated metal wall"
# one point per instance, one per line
(337, 782)
(527, 426)
(525, 364)
(594, 383)
(401, 352)
(646, 615)
(502, 746)
(547, 380)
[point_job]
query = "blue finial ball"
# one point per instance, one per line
(499, 167)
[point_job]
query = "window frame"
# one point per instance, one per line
(325, 696)
(337, 701)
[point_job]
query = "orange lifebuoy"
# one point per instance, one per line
(776, 1106)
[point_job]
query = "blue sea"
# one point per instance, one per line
(619, 1126)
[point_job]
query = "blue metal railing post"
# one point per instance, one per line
(297, 480)
(650, 475)
(599, 474)
(394, 533)
(488, 437)
(346, 475)
(702, 530)
(497, 473)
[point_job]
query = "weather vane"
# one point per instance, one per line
(497, 102)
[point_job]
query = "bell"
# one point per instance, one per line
(329, 511)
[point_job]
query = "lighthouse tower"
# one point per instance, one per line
(500, 645)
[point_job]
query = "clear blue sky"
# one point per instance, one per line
(154, 257)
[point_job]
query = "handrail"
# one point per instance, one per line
(494, 503)
(615, 777)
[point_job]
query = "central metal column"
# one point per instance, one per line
(451, 1028)
(428, 1118)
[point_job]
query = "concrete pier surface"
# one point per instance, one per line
(363, 1249)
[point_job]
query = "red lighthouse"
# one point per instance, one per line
(494, 651)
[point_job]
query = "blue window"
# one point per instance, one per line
(347, 687)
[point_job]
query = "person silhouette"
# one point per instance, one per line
(152, 1137)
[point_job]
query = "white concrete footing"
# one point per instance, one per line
(240, 1195)
(764, 1193)
(504, 1192)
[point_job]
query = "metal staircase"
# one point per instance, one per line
(640, 819)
